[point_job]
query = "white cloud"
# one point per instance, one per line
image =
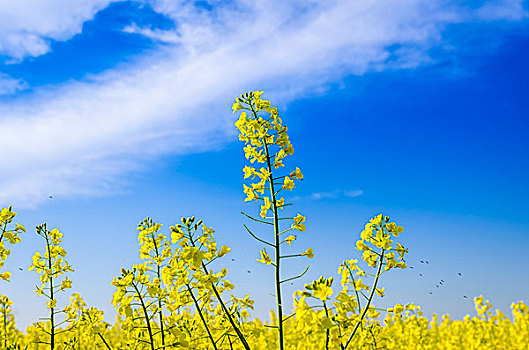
(26, 26)
(354, 193)
(331, 195)
(9, 86)
(165, 36)
(502, 10)
(79, 138)
(322, 195)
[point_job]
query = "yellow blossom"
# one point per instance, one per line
(265, 258)
(296, 174)
(308, 253)
(298, 220)
(51, 303)
(289, 239)
(288, 184)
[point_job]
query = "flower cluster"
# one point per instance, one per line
(8, 333)
(51, 265)
(194, 285)
(352, 312)
(175, 294)
(378, 233)
(10, 236)
(267, 143)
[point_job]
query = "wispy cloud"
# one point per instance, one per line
(80, 137)
(28, 26)
(502, 10)
(323, 195)
(354, 193)
(330, 195)
(9, 86)
(164, 36)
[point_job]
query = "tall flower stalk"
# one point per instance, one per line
(379, 251)
(267, 142)
(155, 248)
(51, 266)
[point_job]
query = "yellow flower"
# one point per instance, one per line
(228, 285)
(298, 220)
(40, 290)
(248, 171)
(308, 253)
(401, 265)
(263, 174)
(67, 283)
(265, 259)
(398, 308)
(250, 194)
(360, 245)
(321, 288)
(377, 220)
(296, 174)
(358, 285)
(250, 151)
(51, 303)
(223, 251)
(191, 255)
(323, 293)
(5, 276)
(289, 239)
(176, 234)
(288, 184)
(401, 250)
(264, 208)
(236, 106)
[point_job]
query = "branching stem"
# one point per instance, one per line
(368, 300)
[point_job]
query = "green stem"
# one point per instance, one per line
(222, 305)
(368, 301)
(277, 242)
(146, 315)
(328, 330)
(104, 341)
(79, 330)
(229, 340)
(254, 219)
(277, 250)
(257, 238)
(356, 292)
(52, 317)
(201, 316)
(296, 277)
(373, 336)
(5, 324)
(3, 231)
(159, 279)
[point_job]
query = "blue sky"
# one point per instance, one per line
(122, 110)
